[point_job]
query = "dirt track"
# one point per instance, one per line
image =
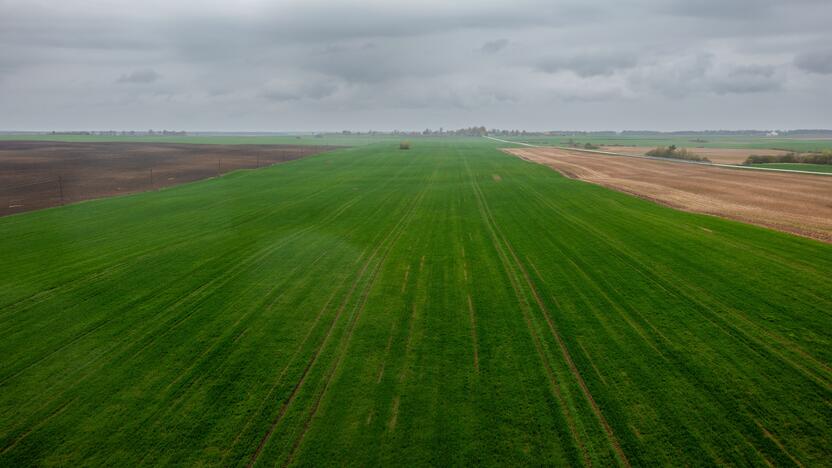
(795, 203)
(716, 155)
(40, 174)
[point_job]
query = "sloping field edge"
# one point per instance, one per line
(670, 160)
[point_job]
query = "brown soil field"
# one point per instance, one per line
(796, 203)
(716, 155)
(40, 174)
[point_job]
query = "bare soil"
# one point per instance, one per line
(41, 174)
(716, 155)
(796, 203)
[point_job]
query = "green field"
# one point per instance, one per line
(788, 144)
(797, 167)
(447, 305)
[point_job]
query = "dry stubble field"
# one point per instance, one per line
(716, 155)
(796, 203)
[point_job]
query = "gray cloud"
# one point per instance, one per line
(747, 79)
(591, 64)
(144, 76)
(492, 47)
(364, 63)
(815, 62)
(317, 64)
(740, 10)
(701, 74)
(720, 9)
(296, 91)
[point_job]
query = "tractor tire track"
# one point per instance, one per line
(473, 316)
(293, 395)
(391, 241)
(713, 317)
(538, 345)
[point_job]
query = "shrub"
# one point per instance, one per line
(675, 153)
(591, 146)
(759, 159)
(824, 157)
(818, 158)
(405, 145)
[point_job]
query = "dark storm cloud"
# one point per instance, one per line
(315, 64)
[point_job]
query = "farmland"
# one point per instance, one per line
(690, 141)
(798, 167)
(796, 203)
(40, 174)
(293, 140)
(716, 155)
(446, 305)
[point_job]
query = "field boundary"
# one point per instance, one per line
(36, 175)
(517, 276)
(671, 160)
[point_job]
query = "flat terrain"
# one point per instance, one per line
(716, 155)
(40, 174)
(796, 203)
(801, 145)
(798, 167)
(447, 305)
(332, 139)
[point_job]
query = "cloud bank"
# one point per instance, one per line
(323, 65)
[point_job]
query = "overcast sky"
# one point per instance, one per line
(331, 65)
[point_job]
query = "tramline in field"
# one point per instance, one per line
(446, 305)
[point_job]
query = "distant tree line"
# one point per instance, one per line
(809, 158)
(694, 135)
(123, 133)
(586, 145)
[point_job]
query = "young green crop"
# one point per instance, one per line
(798, 167)
(446, 305)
